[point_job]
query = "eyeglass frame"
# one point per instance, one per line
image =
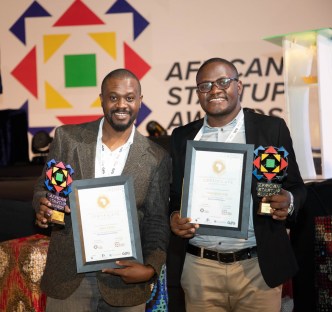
(218, 86)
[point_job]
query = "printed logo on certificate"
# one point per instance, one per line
(216, 187)
(105, 223)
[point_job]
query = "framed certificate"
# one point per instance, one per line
(105, 223)
(217, 187)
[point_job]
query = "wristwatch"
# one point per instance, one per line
(291, 205)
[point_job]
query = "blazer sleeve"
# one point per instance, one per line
(293, 182)
(178, 151)
(155, 227)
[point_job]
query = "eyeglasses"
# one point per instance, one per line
(221, 83)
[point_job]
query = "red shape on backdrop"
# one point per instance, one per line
(26, 72)
(78, 14)
(73, 120)
(134, 62)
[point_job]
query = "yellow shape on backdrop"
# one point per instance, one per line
(52, 43)
(107, 40)
(53, 99)
(96, 103)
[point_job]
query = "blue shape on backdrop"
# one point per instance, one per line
(34, 10)
(122, 6)
(142, 114)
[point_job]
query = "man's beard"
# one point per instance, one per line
(119, 127)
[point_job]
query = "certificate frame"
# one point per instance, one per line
(244, 153)
(101, 185)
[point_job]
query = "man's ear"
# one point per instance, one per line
(140, 101)
(239, 87)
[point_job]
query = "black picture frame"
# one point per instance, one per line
(246, 152)
(101, 185)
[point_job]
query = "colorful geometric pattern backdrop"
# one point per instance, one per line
(54, 54)
(65, 54)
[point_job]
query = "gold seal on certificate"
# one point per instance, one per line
(58, 178)
(270, 165)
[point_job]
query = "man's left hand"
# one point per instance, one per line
(132, 272)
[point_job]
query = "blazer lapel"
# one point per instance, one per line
(87, 150)
(195, 129)
(135, 156)
(250, 128)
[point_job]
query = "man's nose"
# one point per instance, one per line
(214, 88)
(122, 102)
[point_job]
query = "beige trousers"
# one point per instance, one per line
(211, 286)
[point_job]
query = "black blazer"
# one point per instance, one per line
(275, 255)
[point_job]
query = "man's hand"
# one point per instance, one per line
(279, 204)
(45, 211)
(182, 226)
(132, 272)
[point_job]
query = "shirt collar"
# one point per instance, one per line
(130, 139)
(207, 127)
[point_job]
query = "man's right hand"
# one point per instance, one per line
(182, 226)
(45, 211)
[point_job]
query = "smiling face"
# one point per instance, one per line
(121, 100)
(221, 106)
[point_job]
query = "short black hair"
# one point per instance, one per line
(218, 60)
(120, 73)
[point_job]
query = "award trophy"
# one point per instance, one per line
(57, 181)
(270, 165)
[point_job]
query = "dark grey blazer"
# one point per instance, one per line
(150, 167)
(276, 258)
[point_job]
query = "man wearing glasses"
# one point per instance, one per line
(225, 273)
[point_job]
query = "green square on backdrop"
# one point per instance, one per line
(80, 70)
(270, 163)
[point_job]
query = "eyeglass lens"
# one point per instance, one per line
(222, 83)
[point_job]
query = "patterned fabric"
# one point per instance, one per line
(22, 263)
(159, 296)
(323, 260)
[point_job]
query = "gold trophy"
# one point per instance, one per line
(270, 165)
(58, 178)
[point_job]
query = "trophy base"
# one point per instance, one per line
(58, 207)
(266, 189)
(58, 217)
(264, 209)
